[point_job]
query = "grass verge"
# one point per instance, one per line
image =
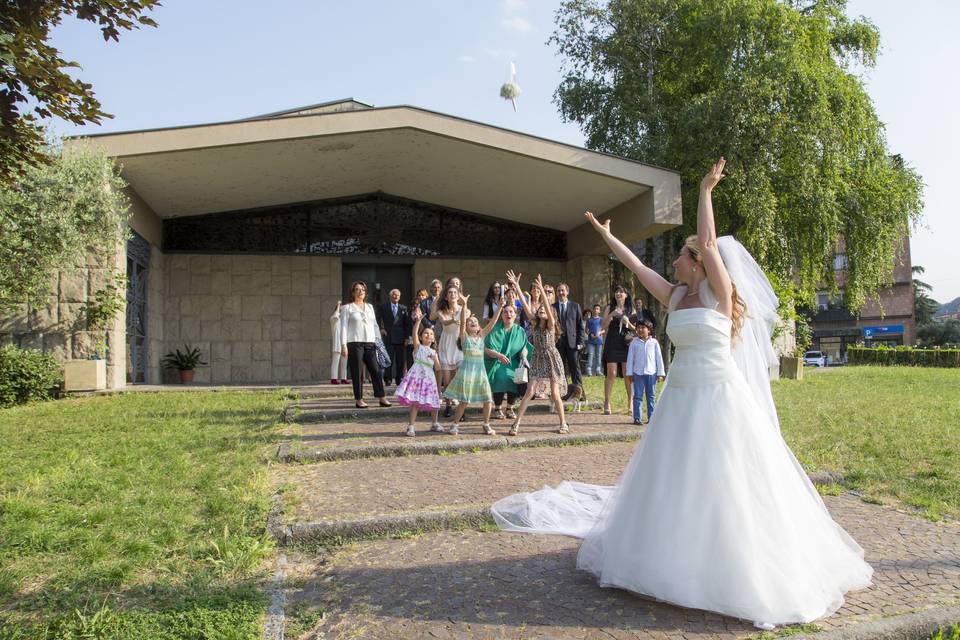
(137, 515)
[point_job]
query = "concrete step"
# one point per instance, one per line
(328, 441)
(330, 409)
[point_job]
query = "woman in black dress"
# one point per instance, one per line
(616, 325)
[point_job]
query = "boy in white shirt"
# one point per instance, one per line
(644, 368)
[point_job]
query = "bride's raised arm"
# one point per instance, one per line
(717, 274)
(650, 279)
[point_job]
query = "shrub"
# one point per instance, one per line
(27, 375)
(52, 216)
(904, 356)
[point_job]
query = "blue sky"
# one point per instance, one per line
(211, 61)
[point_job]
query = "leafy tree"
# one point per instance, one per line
(770, 84)
(939, 334)
(924, 307)
(51, 218)
(32, 71)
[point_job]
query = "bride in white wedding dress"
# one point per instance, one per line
(713, 511)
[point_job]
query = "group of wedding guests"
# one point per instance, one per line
(522, 346)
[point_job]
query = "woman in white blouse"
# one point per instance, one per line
(338, 364)
(358, 335)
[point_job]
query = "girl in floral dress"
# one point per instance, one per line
(418, 389)
(547, 364)
(471, 384)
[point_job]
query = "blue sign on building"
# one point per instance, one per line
(890, 330)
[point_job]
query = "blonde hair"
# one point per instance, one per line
(738, 306)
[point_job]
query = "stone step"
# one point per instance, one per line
(326, 441)
(337, 391)
(476, 584)
(344, 409)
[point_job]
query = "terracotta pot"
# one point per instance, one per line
(186, 376)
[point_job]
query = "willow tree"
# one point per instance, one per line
(773, 85)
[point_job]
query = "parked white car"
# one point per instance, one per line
(814, 359)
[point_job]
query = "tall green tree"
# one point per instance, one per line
(36, 82)
(773, 86)
(924, 307)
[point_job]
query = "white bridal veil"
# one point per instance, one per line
(753, 349)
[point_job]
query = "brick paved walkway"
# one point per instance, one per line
(360, 488)
(470, 584)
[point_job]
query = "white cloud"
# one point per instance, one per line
(466, 59)
(516, 23)
(514, 5)
(499, 53)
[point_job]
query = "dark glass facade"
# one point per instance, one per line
(372, 224)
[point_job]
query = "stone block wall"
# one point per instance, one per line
(256, 319)
(59, 326)
(156, 294)
(589, 279)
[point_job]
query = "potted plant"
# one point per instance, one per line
(184, 362)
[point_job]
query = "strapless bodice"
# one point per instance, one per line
(702, 340)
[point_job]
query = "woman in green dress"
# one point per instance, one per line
(505, 350)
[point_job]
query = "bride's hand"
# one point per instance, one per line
(714, 176)
(602, 228)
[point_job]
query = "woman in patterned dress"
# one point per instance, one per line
(547, 364)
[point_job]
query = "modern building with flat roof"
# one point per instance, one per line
(246, 233)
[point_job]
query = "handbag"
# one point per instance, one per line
(520, 375)
(383, 357)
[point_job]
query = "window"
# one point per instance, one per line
(840, 262)
(823, 300)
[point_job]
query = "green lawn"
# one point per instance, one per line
(136, 516)
(892, 432)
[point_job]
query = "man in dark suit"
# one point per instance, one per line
(436, 288)
(571, 342)
(395, 327)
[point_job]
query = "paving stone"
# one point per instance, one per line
(472, 584)
(352, 489)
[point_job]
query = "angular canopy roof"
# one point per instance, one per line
(348, 147)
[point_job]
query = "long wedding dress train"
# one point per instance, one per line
(713, 511)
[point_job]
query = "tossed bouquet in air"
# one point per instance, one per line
(511, 90)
